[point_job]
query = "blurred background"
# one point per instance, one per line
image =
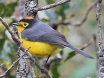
(71, 65)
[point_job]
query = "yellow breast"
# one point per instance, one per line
(41, 49)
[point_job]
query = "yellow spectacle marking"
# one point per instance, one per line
(23, 24)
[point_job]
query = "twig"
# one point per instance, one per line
(51, 5)
(40, 67)
(10, 68)
(17, 41)
(31, 7)
(88, 43)
(12, 64)
(79, 23)
(100, 42)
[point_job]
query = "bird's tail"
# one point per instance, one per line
(79, 51)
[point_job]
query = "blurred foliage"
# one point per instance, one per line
(72, 65)
(54, 70)
(2, 41)
(8, 48)
(6, 10)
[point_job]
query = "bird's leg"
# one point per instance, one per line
(47, 60)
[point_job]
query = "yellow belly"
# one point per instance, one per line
(41, 49)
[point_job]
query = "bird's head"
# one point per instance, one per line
(24, 23)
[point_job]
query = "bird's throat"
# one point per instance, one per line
(20, 29)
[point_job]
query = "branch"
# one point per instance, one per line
(40, 67)
(100, 55)
(99, 24)
(17, 41)
(51, 5)
(9, 68)
(79, 23)
(12, 64)
(31, 7)
(22, 68)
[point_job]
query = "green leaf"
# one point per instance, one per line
(62, 10)
(1, 8)
(9, 9)
(54, 70)
(50, 1)
(12, 5)
(61, 52)
(2, 41)
(70, 55)
(76, 6)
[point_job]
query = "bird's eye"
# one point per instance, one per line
(25, 24)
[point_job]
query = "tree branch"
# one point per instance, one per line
(51, 5)
(23, 68)
(12, 64)
(10, 68)
(31, 7)
(79, 23)
(100, 42)
(98, 14)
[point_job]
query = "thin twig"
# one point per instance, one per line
(51, 5)
(17, 41)
(79, 23)
(12, 64)
(88, 43)
(10, 68)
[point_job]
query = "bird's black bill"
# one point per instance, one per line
(16, 24)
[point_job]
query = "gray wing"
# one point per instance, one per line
(53, 37)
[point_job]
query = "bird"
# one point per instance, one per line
(42, 39)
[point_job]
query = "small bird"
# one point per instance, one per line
(42, 39)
